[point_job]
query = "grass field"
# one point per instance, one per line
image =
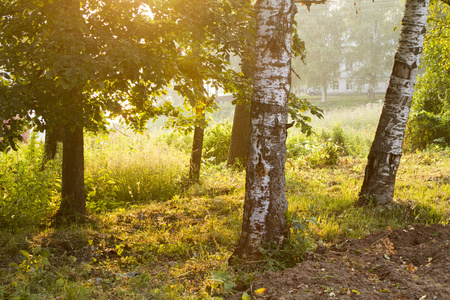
(150, 236)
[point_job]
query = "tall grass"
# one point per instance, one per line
(127, 169)
(357, 123)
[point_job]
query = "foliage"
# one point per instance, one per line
(297, 109)
(337, 137)
(290, 251)
(29, 273)
(29, 194)
(67, 61)
(216, 143)
(222, 280)
(205, 46)
(325, 155)
(429, 122)
(177, 140)
(321, 151)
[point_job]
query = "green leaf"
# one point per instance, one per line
(245, 296)
(25, 253)
(37, 250)
(12, 265)
(60, 282)
(45, 261)
(45, 253)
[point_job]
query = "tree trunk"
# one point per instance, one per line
(52, 137)
(265, 203)
(73, 204)
(196, 155)
(371, 88)
(239, 135)
(386, 150)
(240, 132)
(324, 92)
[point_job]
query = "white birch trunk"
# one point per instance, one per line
(265, 197)
(386, 150)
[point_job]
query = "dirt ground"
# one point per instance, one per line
(409, 263)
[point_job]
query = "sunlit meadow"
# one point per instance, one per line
(150, 235)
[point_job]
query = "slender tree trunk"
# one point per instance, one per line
(196, 154)
(73, 204)
(386, 150)
(371, 88)
(239, 135)
(265, 204)
(324, 92)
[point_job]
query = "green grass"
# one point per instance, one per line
(161, 239)
(342, 101)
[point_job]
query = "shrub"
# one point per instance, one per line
(339, 139)
(298, 145)
(326, 155)
(336, 137)
(29, 195)
(216, 142)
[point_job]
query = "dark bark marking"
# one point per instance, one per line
(401, 70)
(260, 170)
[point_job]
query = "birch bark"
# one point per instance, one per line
(386, 150)
(265, 200)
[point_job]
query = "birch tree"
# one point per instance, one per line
(265, 200)
(386, 150)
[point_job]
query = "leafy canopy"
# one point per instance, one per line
(430, 119)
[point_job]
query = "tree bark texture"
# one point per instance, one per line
(196, 154)
(265, 203)
(386, 150)
(73, 203)
(239, 135)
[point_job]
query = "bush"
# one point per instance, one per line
(298, 145)
(216, 143)
(337, 138)
(426, 129)
(29, 195)
(326, 155)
